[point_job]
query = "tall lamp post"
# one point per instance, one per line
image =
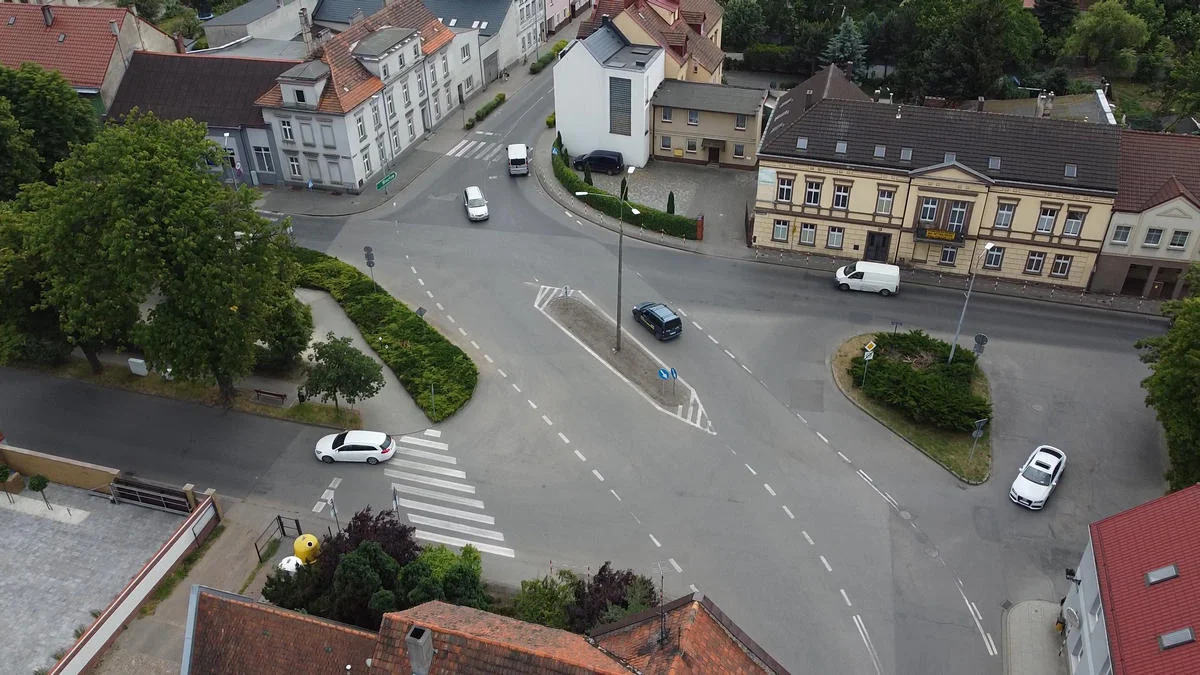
(620, 249)
(962, 315)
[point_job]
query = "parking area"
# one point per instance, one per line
(62, 564)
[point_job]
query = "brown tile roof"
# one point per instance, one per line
(349, 82)
(217, 90)
(602, 7)
(230, 633)
(830, 82)
(675, 34)
(85, 50)
(699, 639)
(1148, 163)
(473, 641)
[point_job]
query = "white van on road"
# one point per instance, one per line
(518, 160)
(872, 277)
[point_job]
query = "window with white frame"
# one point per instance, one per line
(739, 150)
(693, 117)
(366, 154)
(783, 190)
(883, 202)
(958, 216)
(929, 206)
(780, 231)
(416, 51)
(383, 68)
(262, 157)
(375, 115)
(1121, 234)
(420, 84)
(1035, 261)
(691, 145)
(905, 154)
(1179, 239)
(834, 240)
(362, 127)
(404, 94)
(445, 68)
(667, 111)
(880, 151)
(664, 142)
(808, 234)
(994, 258)
(812, 193)
(294, 166)
(412, 129)
(1153, 237)
(383, 153)
(389, 103)
(437, 108)
(469, 83)
(1061, 266)
(466, 53)
(1004, 215)
(285, 129)
(395, 139)
(449, 100)
(1046, 220)
(432, 75)
(949, 255)
(739, 122)
(841, 197)
(1074, 223)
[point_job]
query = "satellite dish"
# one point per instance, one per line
(1072, 617)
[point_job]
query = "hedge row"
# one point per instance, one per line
(910, 373)
(545, 60)
(485, 110)
(650, 218)
(419, 355)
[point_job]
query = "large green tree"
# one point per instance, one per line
(340, 370)
(46, 104)
(1173, 387)
(29, 332)
(19, 159)
(1108, 36)
(1182, 91)
(847, 47)
(1056, 16)
(993, 38)
(744, 25)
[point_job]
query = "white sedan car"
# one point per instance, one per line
(1037, 478)
(371, 447)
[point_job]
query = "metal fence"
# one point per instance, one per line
(279, 528)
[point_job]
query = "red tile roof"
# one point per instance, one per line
(611, 8)
(673, 34)
(1128, 545)
(699, 639)
(233, 634)
(350, 83)
(1148, 161)
(84, 53)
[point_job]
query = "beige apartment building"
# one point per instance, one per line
(688, 31)
(927, 188)
(706, 123)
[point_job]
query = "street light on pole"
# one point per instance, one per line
(227, 165)
(620, 248)
(970, 285)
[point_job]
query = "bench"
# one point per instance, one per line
(260, 394)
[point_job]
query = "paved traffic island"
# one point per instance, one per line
(906, 382)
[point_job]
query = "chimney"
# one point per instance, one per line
(980, 104)
(1049, 103)
(114, 28)
(180, 48)
(356, 16)
(420, 649)
(47, 15)
(808, 99)
(306, 31)
(605, 20)
(875, 97)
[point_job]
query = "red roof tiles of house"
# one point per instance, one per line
(1148, 163)
(75, 41)
(1127, 546)
(677, 33)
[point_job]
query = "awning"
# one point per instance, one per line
(712, 143)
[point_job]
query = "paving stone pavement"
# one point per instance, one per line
(1031, 645)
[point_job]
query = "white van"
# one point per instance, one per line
(872, 277)
(518, 160)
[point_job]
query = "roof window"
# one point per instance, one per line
(840, 148)
(482, 25)
(993, 163)
(881, 151)
(905, 154)
(1070, 171)
(1161, 574)
(1176, 638)
(453, 22)
(474, 24)
(802, 143)
(948, 157)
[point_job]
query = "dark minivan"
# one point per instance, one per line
(658, 319)
(601, 160)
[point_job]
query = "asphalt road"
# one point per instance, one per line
(837, 547)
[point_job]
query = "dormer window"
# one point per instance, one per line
(300, 96)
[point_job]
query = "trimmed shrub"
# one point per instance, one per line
(550, 120)
(910, 373)
(470, 123)
(671, 202)
(487, 108)
(774, 58)
(559, 46)
(419, 355)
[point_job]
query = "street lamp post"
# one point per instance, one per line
(225, 168)
(963, 314)
(620, 249)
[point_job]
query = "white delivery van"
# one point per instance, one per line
(518, 160)
(872, 277)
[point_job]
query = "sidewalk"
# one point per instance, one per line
(1031, 645)
(727, 245)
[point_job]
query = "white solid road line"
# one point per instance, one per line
(655, 540)
(455, 527)
(866, 638)
(825, 562)
(425, 454)
(674, 564)
(434, 494)
(845, 597)
(446, 511)
(427, 480)
(429, 468)
(455, 541)
(990, 646)
(434, 433)
(414, 440)
(788, 512)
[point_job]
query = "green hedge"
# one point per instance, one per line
(545, 59)
(910, 373)
(650, 218)
(487, 108)
(419, 355)
(550, 120)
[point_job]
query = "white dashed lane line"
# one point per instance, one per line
(430, 294)
(729, 353)
(656, 542)
(420, 281)
(451, 318)
(751, 470)
(822, 437)
(547, 421)
(502, 373)
(531, 404)
(614, 493)
(845, 597)
(516, 387)
(844, 457)
(475, 344)
(807, 538)
(489, 359)
(414, 270)
(698, 327)
(580, 456)
(678, 569)
(788, 512)
(825, 562)
(745, 368)
(681, 312)
(714, 340)
(439, 306)
(562, 437)
(601, 479)
(770, 490)
(802, 418)
(463, 332)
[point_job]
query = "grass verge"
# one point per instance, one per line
(163, 590)
(271, 550)
(948, 448)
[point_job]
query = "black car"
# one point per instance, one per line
(601, 160)
(658, 319)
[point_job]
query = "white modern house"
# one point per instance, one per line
(510, 31)
(1134, 602)
(602, 90)
(366, 95)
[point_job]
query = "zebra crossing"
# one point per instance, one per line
(486, 151)
(433, 494)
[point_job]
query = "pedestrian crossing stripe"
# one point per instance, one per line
(471, 149)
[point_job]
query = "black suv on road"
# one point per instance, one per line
(658, 319)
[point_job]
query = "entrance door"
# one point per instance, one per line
(491, 67)
(714, 155)
(426, 122)
(877, 247)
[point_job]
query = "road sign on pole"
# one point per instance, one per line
(664, 374)
(976, 435)
(869, 347)
(385, 180)
(674, 379)
(867, 356)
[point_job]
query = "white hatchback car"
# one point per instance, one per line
(1037, 477)
(371, 447)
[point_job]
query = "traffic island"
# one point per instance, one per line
(912, 391)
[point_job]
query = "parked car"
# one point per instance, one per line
(475, 204)
(371, 447)
(1038, 477)
(658, 319)
(872, 277)
(601, 160)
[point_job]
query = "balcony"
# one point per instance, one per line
(938, 236)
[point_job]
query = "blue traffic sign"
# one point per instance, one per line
(663, 374)
(674, 375)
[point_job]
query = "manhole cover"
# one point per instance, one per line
(1006, 605)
